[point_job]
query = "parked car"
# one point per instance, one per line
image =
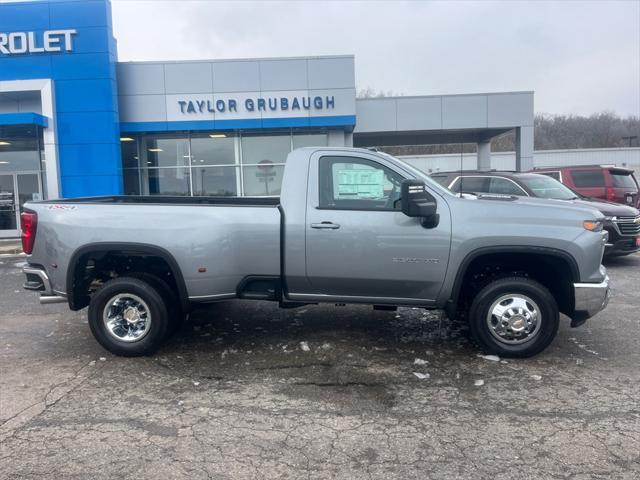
(351, 226)
(607, 182)
(621, 222)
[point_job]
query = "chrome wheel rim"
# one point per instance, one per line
(514, 319)
(127, 317)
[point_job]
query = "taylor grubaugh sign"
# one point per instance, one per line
(258, 104)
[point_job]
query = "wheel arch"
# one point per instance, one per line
(558, 257)
(128, 249)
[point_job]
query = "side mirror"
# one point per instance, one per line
(416, 201)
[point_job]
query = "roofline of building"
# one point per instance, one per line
(409, 97)
(223, 60)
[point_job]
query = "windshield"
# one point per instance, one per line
(546, 187)
(419, 174)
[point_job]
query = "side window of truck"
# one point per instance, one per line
(350, 183)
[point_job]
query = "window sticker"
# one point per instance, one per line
(359, 184)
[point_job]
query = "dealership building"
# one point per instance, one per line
(75, 122)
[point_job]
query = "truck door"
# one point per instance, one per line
(358, 242)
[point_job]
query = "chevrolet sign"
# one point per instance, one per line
(15, 43)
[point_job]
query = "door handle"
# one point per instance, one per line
(326, 225)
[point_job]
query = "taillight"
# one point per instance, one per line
(29, 225)
(611, 194)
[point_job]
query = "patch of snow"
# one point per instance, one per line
(92, 363)
(422, 376)
(478, 383)
(491, 358)
(304, 346)
(537, 378)
(103, 359)
(419, 361)
(195, 384)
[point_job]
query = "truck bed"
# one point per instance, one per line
(215, 241)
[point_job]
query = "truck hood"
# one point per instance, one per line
(585, 209)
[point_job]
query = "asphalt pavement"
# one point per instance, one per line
(245, 390)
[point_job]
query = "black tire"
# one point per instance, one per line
(158, 312)
(481, 331)
(176, 314)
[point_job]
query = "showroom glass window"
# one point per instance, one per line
(211, 163)
(130, 165)
(264, 157)
(214, 168)
(164, 165)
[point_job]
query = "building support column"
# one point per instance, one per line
(524, 149)
(339, 138)
(484, 155)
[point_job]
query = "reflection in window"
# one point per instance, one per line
(131, 180)
(213, 149)
(209, 163)
(166, 181)
(165, 152)
(20, 148)
(263, 180)
(272, 148)
(214, 181)
(129, 152)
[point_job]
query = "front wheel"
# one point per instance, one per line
(514, 317)
(128, 317)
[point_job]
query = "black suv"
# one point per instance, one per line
(622, 222)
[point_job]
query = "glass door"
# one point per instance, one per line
(15, 190)
(28, 188)
(8, 213)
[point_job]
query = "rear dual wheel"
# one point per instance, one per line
(133, 315)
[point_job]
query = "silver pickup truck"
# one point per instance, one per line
(350, 226)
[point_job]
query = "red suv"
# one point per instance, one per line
(606, 182)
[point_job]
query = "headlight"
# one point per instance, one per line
(592, 225)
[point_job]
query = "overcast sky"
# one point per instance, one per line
(579, 57)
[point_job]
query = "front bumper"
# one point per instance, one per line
(624, 246)
(590, 298)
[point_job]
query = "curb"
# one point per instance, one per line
(10, 251)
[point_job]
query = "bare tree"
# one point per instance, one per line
(369, 92)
